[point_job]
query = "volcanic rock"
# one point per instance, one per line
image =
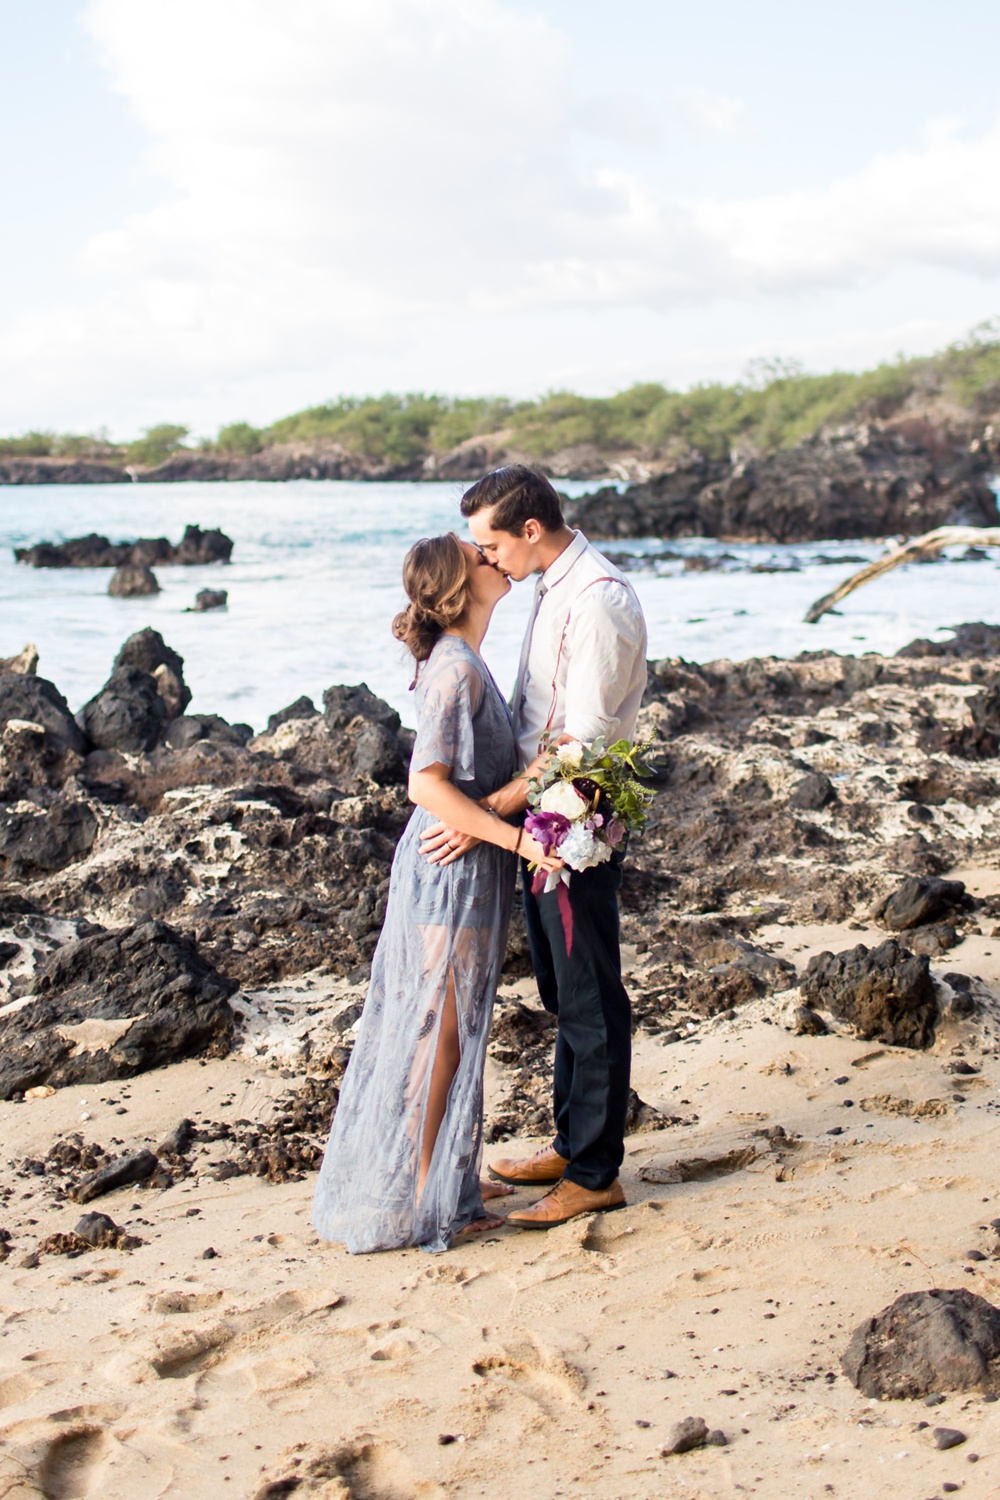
(885, 993)
(95, 551)
(919, 901)
(147, 649)
(39, 840)
(207, 599)
(813, 792)
(25, 662)
(689, 1433)
(342, 704)
(136, 1167)
(128, 712)
(132, 581)
(855, 481)
(112, 1005)
(925, 1342)
(35, 699)
(302, 708)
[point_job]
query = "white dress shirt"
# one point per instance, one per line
(583, 668)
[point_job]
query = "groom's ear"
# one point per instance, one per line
(532, 530)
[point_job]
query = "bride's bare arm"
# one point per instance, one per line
(444, 842)
(432, 789)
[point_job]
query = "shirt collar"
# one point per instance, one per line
(556, 572)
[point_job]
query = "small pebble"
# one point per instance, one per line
(935, 1399)
(842, 1080)
(992, 1396)
(210, 1254)
(973, 1458)
(958, 1098)
(948, 1437)
(444, 1438)
(848, 1103)
(837, 1130)
(717, 1439)
(950, 1488)
(975, 1255)
(670, 1374)
(640, 1423)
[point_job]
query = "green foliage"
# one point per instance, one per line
(776, 405)
(240, 437)
(156, 444)
(618, 770)
(66, 445)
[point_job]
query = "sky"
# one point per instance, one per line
(223, 210)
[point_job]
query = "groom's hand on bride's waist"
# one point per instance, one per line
(441, 845)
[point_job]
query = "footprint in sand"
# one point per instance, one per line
(362, 1470)
(548, 1379)
(70, 1467)
(16, 1388)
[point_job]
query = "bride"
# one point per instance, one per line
(402, 1162)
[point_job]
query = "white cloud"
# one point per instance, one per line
(711, 114)
(342, 180)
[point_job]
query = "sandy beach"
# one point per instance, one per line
(544, 1364)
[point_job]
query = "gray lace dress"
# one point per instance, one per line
(445, 927)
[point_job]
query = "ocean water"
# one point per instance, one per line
(315, 581)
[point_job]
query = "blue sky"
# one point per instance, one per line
(225, 209)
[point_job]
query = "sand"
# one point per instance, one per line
(554, 1364)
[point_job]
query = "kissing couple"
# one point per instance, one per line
(402, 1165)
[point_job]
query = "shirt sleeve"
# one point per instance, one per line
(605, 641)
(447, 701)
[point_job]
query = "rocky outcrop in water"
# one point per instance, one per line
(195, 548)
(867, 481)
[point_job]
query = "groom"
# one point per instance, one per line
(582, 675)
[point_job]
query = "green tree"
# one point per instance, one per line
(156, 444)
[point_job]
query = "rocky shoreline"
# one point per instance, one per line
(807, 790)
(869, 479)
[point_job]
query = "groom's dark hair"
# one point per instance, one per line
(515, 494)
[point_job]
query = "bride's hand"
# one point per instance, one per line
(441, 845)
(535, 854)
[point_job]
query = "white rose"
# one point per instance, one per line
(571, 754)
(563, 797)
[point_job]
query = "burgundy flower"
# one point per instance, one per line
(548, 828)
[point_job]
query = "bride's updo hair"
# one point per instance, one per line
(436, 578)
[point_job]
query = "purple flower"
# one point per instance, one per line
(548, 828)
(614, 833)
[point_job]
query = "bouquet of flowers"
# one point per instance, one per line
(583, 804)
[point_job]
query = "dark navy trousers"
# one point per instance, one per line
(583, 989)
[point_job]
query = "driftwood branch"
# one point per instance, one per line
(920, 546)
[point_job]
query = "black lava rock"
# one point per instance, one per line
(24, 696)
(149, 976)
(121, 1173)
(927, 1342)
(128, 713)
(32, 843)
(813, 792)
(133, 581)
(885, 993)
(302, 708)
(919, 901)
(341, 704)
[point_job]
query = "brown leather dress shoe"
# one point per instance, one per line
(530, 1171)
(566, 1201)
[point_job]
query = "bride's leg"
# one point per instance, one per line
(447, 1055)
